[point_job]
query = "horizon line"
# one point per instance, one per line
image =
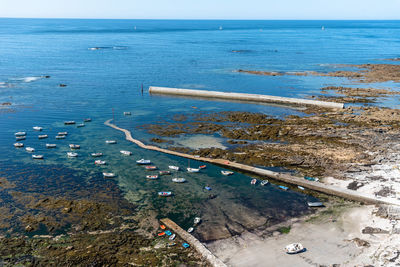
(205, 19)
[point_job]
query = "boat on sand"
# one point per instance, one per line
(294, 248)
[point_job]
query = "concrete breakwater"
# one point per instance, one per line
(243, 97)
(286, 178)
(207, 255)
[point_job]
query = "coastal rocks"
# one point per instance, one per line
(372, 230)
(361, 243)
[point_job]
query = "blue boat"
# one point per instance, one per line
(207, 188)
(168, 233)
(283, 187)
(311, 179)
(185, 245)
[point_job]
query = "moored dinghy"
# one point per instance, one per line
(37, 156)
(226, 173)
(96, 155)
(43, 136)
(30, 149)
(202, 166)
(100, 162)
(73, 146)
(51, 145)
(111, 142)
(178, 180)
(143, 161)
(62, 133)
(164, 172)
(315, 204)
(37, 128)
(108, 174)
(264, 182)
(19, 138)
(193, 170)
(126, 153)
(20, 133)
(87, 120)
(197, 220)
(19, 145)
(254, 181)
(152, 177)
(80, 125)
(72, 154)
(175, 168)
(151, 168)
(191, 229)
(69, 122)
(60, 137)
(285, 188)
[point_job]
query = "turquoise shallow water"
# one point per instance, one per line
(103, 83)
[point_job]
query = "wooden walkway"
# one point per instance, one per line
(289, 179)
(194, 242)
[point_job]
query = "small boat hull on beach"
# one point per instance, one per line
(294, 248)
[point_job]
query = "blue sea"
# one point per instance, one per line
(104, 64)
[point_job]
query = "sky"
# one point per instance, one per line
(203, 9)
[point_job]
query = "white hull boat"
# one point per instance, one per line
(100, 162)
(72, 154)
(226, 173)
(108, 174)
(60, 137)
(178, 180)
(111, 142)
(19, 145)
(197, 220)
(69, 122)
(37, 128)
(73, 146)
(19, 138)
(191, 229)
(193, 170)
(62, 133)
(20, 134)
(43, 136)
(175, 168)
(80, 125)
(143, 161)
(265, 182)
(126, 153)
(152, 177)
(51, 145)
(30, 149)
(315, 204)
(96, 155)
(294, 248)
(37, 156)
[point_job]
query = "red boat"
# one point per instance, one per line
(151, 168)
(202, 166)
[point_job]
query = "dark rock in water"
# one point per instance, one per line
(6, 104)
(212, 196)
(47, 76)
(372, 230)
(62, 85)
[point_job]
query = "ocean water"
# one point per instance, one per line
(105, 62)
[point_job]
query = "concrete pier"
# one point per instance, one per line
(289, 179)
(243, 97)
(194, 242)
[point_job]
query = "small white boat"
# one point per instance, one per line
(125, 152)
(191, 229)
(264, 182)
(96, 155)
(87, 120)
(197, 220)
(294, 248)
(193, 170)
(175, 168)
(127, 113)
(37, 128)
(80, 125)
(164, 172)
(73, 146)
(143, 161)
(19, 138)
(100, 162)
(253, 181)
(300, 187)
(178, 180)
(172, 237)
(51, 145)
(30, 149)
(37, 156)
(72, 154)
(60, 137)
(108, 174)
(20, 134)
(152, 177)
(19, 145)
(315, 204)
(62, 133)
(43, 136)
(111, 142)
(69, 122)
(226, 173)
(165, 193)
